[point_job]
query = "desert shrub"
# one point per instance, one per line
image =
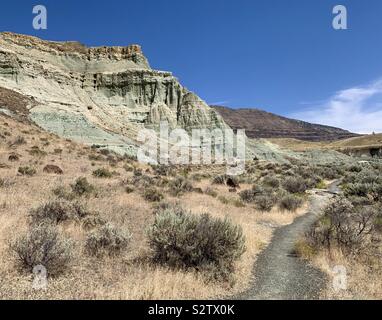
(129, 189)
(270, 166)
(102, 173)
(92, 221)
(247, 196)
(211, 192)
(321, 185)
(165, 206)
(312, 182)
(62, 192)
(95, 157)
(14, 157)
(265, 203)
(329, 173)
(58, 211)
(54, 211)
(20, 140)
(143, 181)
(153, 195)
(27, 171)
(304, 249)
(128, 168)
(295, 185)
(271, 181)
(250, 195)
(163, 170)
(6, 182)
(107, 240)
(220, 179)
(358, 189)
(231, 181)
(350, 178)
(42, 245)
(50, 168)
(179, 186)
(37, 152)
(198, 177)
(354, 168)
(183, 240)
(344, 226)
(82, 187)
(290, 203)
(360, 201)
(369, 176)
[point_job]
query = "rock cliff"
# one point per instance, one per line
(100, 95)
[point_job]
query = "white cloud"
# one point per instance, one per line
(218, 103)
(357, 109)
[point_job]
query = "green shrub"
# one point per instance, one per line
(179, 186)
(62, 192)
(163, 170)
(107, 240)
(358, 189)
(165, 206)
(295, 185)
(18, 141)
(354, 168)
(92, 221)
(265, 203)
(250, 195)
(189, 241)
(211, 192)
(220, 179)
(37, 152)
(271, 181)
(321, 185)
(344, 226)
(153, 195)
(42, 245)
(58, 211)
(27, 171)
(6, 182)
(82, 187)
(128, 168)
(102, 173)
(290, 203)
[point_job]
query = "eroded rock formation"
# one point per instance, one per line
(101, 95)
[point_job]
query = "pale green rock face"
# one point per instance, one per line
(95, 95)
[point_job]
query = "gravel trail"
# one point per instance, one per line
(279, 273)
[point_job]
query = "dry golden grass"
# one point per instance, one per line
(132, 275)
(363, 277)
(356, 142)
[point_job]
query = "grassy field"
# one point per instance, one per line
(357, 142)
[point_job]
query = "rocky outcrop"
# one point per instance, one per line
(101, 95)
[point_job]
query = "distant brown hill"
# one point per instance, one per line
(262, 124)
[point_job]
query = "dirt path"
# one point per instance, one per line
(279, 274)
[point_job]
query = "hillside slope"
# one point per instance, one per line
(262, 124)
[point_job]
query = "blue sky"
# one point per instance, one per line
(281, 56)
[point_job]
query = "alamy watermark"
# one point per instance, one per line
(40, 21)
(40, 281)
(199, 146)
(340, 21)
(339, 278)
